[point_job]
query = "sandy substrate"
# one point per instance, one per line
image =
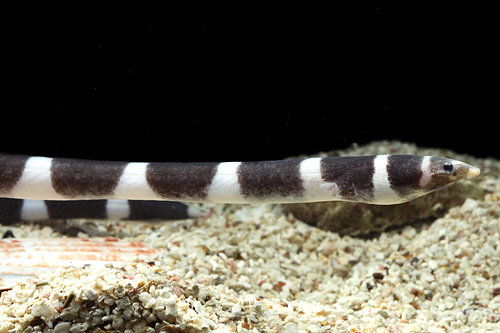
(249, 268)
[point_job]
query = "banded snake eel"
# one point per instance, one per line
(379, 179)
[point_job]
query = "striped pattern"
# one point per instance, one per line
(16, 210)
(382, 179)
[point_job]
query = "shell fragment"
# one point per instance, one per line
(24, 257)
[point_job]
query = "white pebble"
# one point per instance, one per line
(79, 328)
(411, 328)
(313, 329)
(91, 294)
(62, 327)
(476, 259)
(118, 323)
(290, 328)
(266, 286)
(166, 308)
(408, 232)
(109, 301)
(42, 310)
(448, 305)
(183, 306)
(377, 321)
(428, 277)
(470, 295)
(199, 308)
(236, 309)
(147, 300)
(433, 264)
(152, 291)
(469, 205)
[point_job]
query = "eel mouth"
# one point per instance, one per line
(473, 172)
(465, 170)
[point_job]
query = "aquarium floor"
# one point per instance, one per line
(250, 268)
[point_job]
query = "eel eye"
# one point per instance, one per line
(448, 167)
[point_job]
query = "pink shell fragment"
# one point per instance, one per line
(22, 257)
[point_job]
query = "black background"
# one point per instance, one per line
(221, 81)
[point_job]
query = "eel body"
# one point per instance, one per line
(16, 210)
(380, 179)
